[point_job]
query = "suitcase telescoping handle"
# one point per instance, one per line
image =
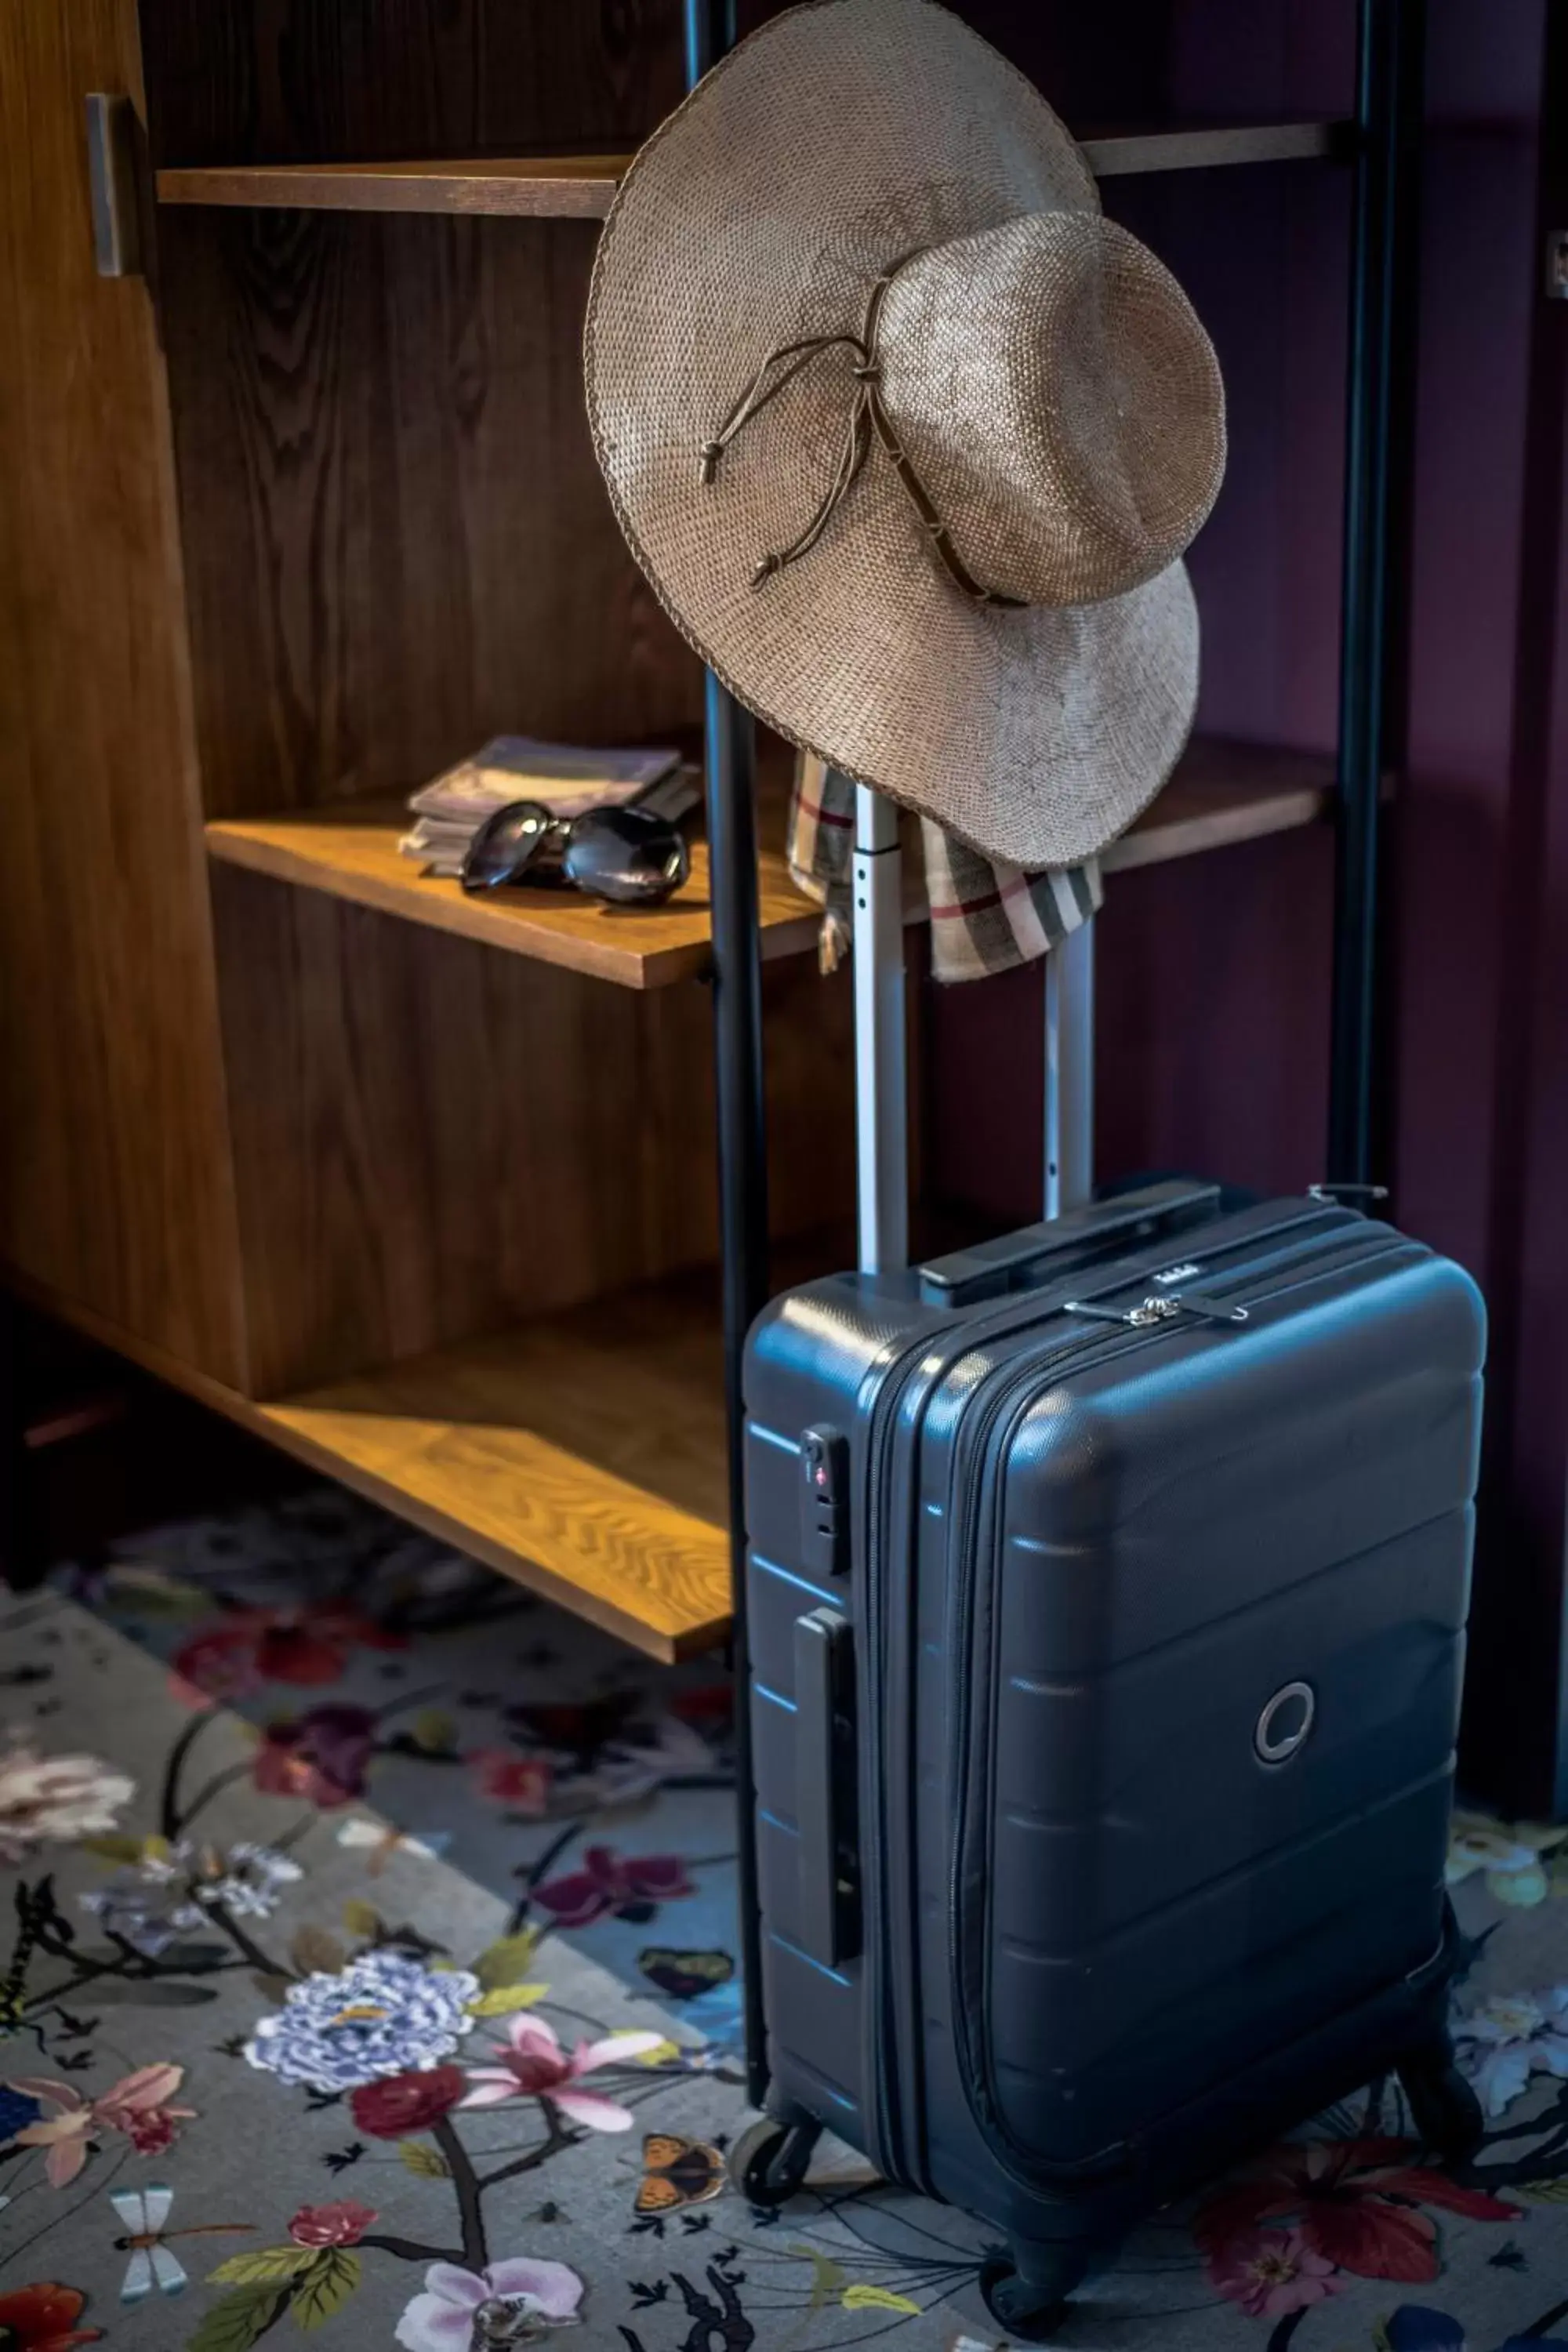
(1077, 1229)
(1036, 1252)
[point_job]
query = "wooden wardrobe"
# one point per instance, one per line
(293, 513)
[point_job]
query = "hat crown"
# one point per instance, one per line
(1057, 396)
(852, 145)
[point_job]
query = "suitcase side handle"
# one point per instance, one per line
(825, 1772)
(1019, 1260)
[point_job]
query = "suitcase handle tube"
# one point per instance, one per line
(1069, 1072)
(881, 1066)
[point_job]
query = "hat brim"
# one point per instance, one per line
(841, 137)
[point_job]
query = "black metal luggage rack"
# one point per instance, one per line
(1380, 149)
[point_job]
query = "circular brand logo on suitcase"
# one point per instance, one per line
(1285, 1724)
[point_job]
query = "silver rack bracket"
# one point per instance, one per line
(881, 1070)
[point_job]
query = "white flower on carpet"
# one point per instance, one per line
(532, 2064)
(56, 1798)
(250, 1881)
(383, 2015)
(145, 1915)
(153, 1902)
(1510, 2037)
(1508, 1853)
(468, 2311)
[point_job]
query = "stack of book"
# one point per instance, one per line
(568, 779)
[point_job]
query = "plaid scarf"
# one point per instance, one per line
(985, 916)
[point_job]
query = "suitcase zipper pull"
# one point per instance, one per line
(1213, 1310)
(1159, 1310)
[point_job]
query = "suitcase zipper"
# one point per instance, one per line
(1019, 1390)
(1160, 1309)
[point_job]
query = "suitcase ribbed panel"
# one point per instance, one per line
(1184, 1523)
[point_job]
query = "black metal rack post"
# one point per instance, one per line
(1389, 83)
(710, 30)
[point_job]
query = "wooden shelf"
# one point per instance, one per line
(582, 1454)
(1218, 147)
(583, 187)
(1223, 793)
(351, 852)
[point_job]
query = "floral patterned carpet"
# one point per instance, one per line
(366, 1971)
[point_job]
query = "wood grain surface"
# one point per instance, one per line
(561, 187)
(300, 81)
(595, 1438)
(1222, 793)
(582, 1455)
(398, 540)
(114, 1185)
(433, 1141)
(583, 188)
(351, 852)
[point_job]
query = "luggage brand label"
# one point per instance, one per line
(1178, 1274)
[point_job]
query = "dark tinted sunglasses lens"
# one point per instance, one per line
(631, 856)
(506, 844)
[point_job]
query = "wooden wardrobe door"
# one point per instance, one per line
(116, 1197)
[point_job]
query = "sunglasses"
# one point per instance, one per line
(628, 857)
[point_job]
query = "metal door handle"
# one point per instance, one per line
(112, 135)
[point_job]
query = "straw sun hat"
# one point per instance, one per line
(908, 437)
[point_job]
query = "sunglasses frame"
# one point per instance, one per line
(554, 833)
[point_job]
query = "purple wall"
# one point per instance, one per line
(1481, 1073)
(1214, 973)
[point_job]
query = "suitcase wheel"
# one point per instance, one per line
(1444, 2109)
(769, 2162)
(1029, 2298)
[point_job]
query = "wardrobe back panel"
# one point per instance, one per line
(434, 1140)
(397, 541)
(283, 82)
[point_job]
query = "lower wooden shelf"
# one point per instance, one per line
(582, 1454)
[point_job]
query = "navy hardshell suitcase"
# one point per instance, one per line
(1107, 1589)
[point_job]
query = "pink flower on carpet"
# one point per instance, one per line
(332, 2225)
(307, 1647)
(614, 1885)
(521, 1782)
(534, 2065)
(443, 2318)
(1270, 2273)
(323, 1755)
(138, 2107)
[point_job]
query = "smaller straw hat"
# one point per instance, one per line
(909, 439)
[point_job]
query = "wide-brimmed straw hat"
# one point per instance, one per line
(908, 437)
